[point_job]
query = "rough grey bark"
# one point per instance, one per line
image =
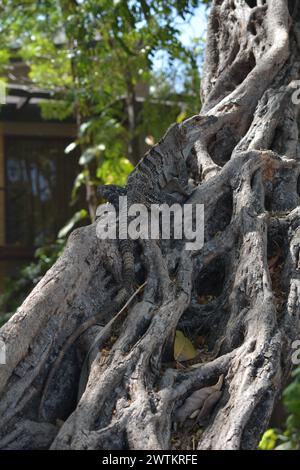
(247, 272)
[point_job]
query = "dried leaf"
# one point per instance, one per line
(198, 401)
(209, 404)
(183, 348)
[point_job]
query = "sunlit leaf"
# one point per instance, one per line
(181, 117)
(87, 157)
(84, 127)
(149, 140)
(70, 147)
(268, 440)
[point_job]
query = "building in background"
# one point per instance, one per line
(36, 176)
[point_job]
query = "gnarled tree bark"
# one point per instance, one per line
(248, 270)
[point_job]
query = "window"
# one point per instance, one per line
(39, 180)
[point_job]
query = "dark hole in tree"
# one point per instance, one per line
(141, 270)
(278, 144)
(252, 61)
(268, 202)
(242, 69)
(268, 196)
(252, 28)
(221, 146)
(223, 143)
(294, 8)
(205, 317)
(61, 398)
(210, 281)
(221, 215)
(251, 3)
(274, 245)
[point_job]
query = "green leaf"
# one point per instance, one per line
(82, 214)
(70, 147)
(181, 117)
(268, 440)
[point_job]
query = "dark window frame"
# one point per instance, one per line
(40, 140)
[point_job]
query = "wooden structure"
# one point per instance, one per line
(34, 172)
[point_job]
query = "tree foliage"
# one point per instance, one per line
(91, 56)
(287, 438)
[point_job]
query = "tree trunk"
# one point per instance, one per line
(239, 292)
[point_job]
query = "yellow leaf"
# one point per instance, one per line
(181, 117)
(183, 348)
